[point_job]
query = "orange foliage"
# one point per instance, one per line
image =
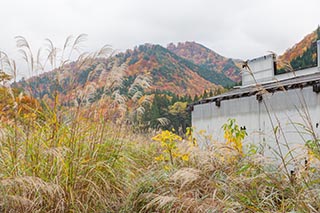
(13, 105)
(199, 54)
(297, 50)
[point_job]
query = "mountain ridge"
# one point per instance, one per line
(185, 68)
(201, 55)
(301, 55)
(168, 71)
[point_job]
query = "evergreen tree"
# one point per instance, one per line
(210, 93)
(195, 98)
(205, 94)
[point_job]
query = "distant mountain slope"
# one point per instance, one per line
(301, 55)
(156, 58)
(187, 68)
(168, 71)
(207, 59)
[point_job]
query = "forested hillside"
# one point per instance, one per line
(148, 86)
(301, 55)
(209, 60)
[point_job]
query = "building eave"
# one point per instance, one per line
(259, 89)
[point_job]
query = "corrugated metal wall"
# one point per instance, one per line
(294, 111)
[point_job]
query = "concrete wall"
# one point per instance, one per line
(292, 110)
(296, 73)
(261, 68)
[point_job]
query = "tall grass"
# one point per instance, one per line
(83, 167)
(223, 179)
(94, 166)
(211, 182)
(55, 159)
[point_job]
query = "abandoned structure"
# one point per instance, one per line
(270, 107)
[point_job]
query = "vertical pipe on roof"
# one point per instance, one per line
(318, 52)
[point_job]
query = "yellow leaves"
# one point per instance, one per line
(178, 108)
(313, 149)
(167, 139)
(167, 168)
(159, 158)
(170, 151)
(191, 140)
(29, 116)
(176, 154)
(234, 135)
(185, 157)
(189, 131)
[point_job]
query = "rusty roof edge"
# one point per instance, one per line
(287, 84)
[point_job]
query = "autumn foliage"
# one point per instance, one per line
(301, 55)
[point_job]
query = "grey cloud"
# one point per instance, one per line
(234, 28)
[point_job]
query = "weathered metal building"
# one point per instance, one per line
(286, 106)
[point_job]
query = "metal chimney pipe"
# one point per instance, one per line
(318, 52)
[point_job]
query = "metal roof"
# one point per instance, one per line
(258, 89)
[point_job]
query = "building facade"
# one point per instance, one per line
(279, 112)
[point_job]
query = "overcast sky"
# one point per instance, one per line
(234, 28)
